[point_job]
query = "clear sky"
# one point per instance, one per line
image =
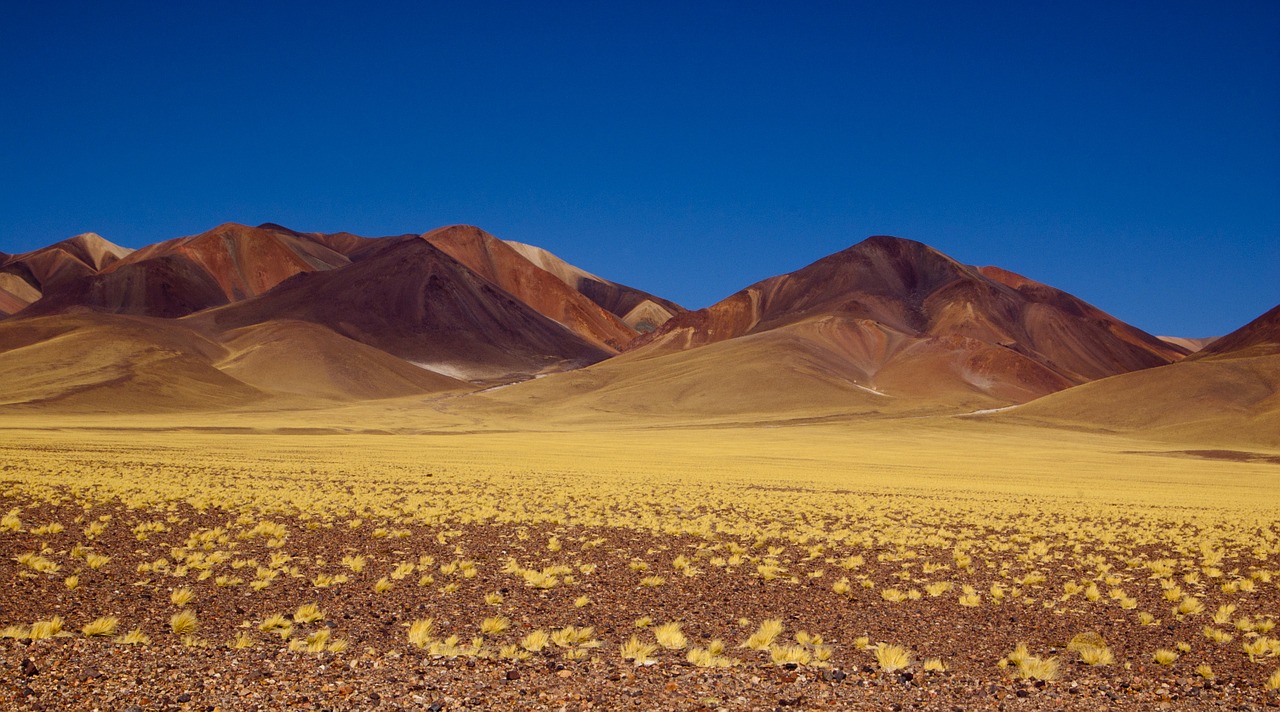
(1127, 152)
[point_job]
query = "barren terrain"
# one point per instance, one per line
(801, 564)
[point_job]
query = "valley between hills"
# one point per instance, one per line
(259, 468)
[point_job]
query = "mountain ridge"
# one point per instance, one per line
(887, 327)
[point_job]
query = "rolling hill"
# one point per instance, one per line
(1226, 393)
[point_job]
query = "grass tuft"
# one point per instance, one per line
(101, 627)
(183, 622)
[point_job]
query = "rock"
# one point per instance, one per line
(29, 668)
(564, 673)
(513, 674)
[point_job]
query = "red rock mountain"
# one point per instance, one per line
(1258, 337)
(25, 278)
(887, 325)
(641, 311)
(410, 299)
(188, 274)
(900, 317)
(506, 268)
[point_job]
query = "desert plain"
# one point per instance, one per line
(635, 567)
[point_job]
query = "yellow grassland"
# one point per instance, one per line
(796, 482)
(972, 512)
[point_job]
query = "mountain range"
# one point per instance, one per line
(266, 316)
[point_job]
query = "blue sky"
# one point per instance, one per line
(1126, 152)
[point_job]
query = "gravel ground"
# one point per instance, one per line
(381, 669)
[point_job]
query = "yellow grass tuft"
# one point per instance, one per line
(183, 622)
(420, 632)
(494, 625)
(1164, 656)
(96, 561)
(639, 652)
(101, 627)
(1090, 655)
(536, 641)
(181, 596)
(790, 654)
(891, 658)
(670, 636)
(134, 637)
(764, 636)
(275, 623)
(308, 613)
(46, 629)
(1273, 682)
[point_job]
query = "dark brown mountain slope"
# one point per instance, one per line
(502, 265)
(408, 298)
(915, 293)
(177, 277)
(24, 278)
(639, 310)
(1259, 337)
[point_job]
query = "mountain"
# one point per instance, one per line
(1259, 337)
(511, 271)
(1228, 392)
(410, 299)
(887, 325)
(241, 316)
(641, 311)
(1191, 344)
(188, 274)
(26, 277)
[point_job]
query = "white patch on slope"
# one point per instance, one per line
(451, 370)
(988, 411)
